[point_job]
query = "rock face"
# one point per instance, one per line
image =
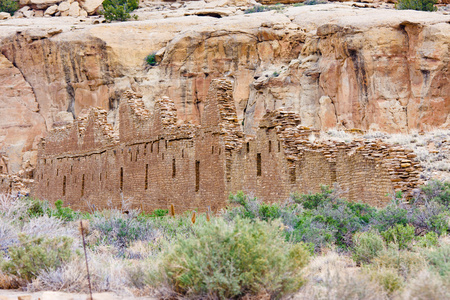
(334, 65)
(21, 125)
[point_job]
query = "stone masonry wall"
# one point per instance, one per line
(155, 160)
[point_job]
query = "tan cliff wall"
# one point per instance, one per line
(195, 167)
(335, 66)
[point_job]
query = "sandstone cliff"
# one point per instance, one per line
(335, 65)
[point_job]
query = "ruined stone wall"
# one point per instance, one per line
(156, 160)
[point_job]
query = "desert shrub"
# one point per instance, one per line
(431, 216)
(400, 235)
(334, 276)
(437, 191)
(8, 234)
(425, 5)
(315, 2)
(390, 216)
(263, 8)
(252, 208)
(388, 279)
(439, 259)
(430, 239)
(227, 260)
(151, 59)
(119, 10)
(367, 245)
(311, 201)
(310, 230)
(342, 219)
(63, 213)
(119, 230)
(405, 262)
(9, 6)
(427, 286)
(36, 208)
(32, 256)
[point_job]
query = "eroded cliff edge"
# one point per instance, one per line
(336, 66)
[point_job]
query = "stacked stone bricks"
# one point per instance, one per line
(156, 160)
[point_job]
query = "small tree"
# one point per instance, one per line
(119, 10)
(425, 5)
(9, 6)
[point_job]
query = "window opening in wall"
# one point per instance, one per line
(248, 147)
(162, 156)
(136, 157)
(151, 148)
(166, 143)
(64, 186)
(145, 149)
(258, 164)
(100, 177)
(146, 176)
(157, 149)
(82, 186)
(212, 149)
(279, 146)
(270, 146)
(131, 156)
(220, 151)
(121, 179)
(57, 172)
(174, 170)
(45, 161)
(197, 175)
(182, 153)
(292, 175)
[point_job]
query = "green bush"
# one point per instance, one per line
(32, 256)
(439, 259)
(9, 6)
(63, 213)
(151, 59)
(437, 191)
(400, 235)
(311, 201)
(425, 5)
(228, 260)
(367, 245)
(390, 216)
(119, 230)
(263, 8)
(430, 239)
(119, 10)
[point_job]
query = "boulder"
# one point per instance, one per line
(28, 13)
(83, 13)
(4, 15)
(38, 13)
(74, 10)
(91, 6)
(50, 11)
(40, 4)
(64, 6)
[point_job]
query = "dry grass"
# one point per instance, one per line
(333, 276)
